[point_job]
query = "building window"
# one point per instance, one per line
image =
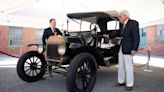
(38, 36)
(143, 32)
(143, 37)
(15, 36)
(160, 33)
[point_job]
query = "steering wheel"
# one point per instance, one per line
(94, 27)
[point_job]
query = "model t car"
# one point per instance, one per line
(80, 53)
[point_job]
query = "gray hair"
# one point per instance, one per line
(125, 12)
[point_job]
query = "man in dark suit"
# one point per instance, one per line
(128, 47)
(52, 30)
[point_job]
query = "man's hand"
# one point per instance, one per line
(133, 52)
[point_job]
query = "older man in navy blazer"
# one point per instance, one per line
(128, 47)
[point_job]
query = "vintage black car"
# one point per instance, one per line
(80, 53)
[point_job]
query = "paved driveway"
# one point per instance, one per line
(106, 79)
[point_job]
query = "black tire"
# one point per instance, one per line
(31, 70)
(83, 69)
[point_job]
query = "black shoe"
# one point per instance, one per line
(129, 88)
(120, 84)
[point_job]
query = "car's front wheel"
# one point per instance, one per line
(31, 66)
(81, 75)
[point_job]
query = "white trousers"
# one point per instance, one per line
(125, 69)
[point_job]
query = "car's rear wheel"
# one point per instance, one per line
(81, 75)
(31, 66)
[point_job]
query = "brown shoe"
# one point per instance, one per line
(129, 88)
(120, 84)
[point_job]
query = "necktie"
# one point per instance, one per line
(52, 30)
(123, 28)
(55, 32)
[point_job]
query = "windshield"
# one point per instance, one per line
(78, 25)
